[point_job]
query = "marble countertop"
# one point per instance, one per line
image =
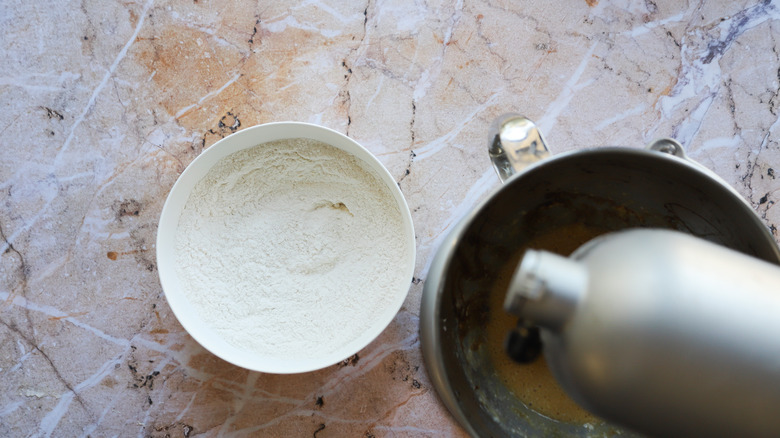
(105, 103)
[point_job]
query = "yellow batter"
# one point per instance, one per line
(533, 383)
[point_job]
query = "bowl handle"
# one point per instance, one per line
(515, 143)
(668, 146)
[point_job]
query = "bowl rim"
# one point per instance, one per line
(166, 245)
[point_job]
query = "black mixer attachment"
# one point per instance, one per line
(523, 343)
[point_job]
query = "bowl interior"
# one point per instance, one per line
(607, 188)
(166, 246)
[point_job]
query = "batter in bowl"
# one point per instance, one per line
(533, 383)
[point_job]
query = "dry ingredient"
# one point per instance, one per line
(289, 249)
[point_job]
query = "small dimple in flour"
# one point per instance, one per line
(290, 248)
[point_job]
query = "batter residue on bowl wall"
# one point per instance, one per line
(287, 249)
(533, 383)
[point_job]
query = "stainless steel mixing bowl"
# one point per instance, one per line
(610, 188)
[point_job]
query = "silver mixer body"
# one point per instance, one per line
(660, 331)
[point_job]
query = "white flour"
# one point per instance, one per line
(288, 248)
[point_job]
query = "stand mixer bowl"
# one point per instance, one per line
(608, 188)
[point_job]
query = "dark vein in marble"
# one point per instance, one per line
(24, 271)
(412, 155)
(693, 70)
(345, 94)
(30, 339)
(31, 342)
(738, 25)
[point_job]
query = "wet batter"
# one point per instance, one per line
(533, 383)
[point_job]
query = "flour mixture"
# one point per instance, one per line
(289, 248)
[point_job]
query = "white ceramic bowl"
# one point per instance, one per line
(172, 285)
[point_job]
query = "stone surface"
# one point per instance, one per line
(105, 103)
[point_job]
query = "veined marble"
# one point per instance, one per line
(105, 103)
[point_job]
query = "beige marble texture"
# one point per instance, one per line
(105, 103)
